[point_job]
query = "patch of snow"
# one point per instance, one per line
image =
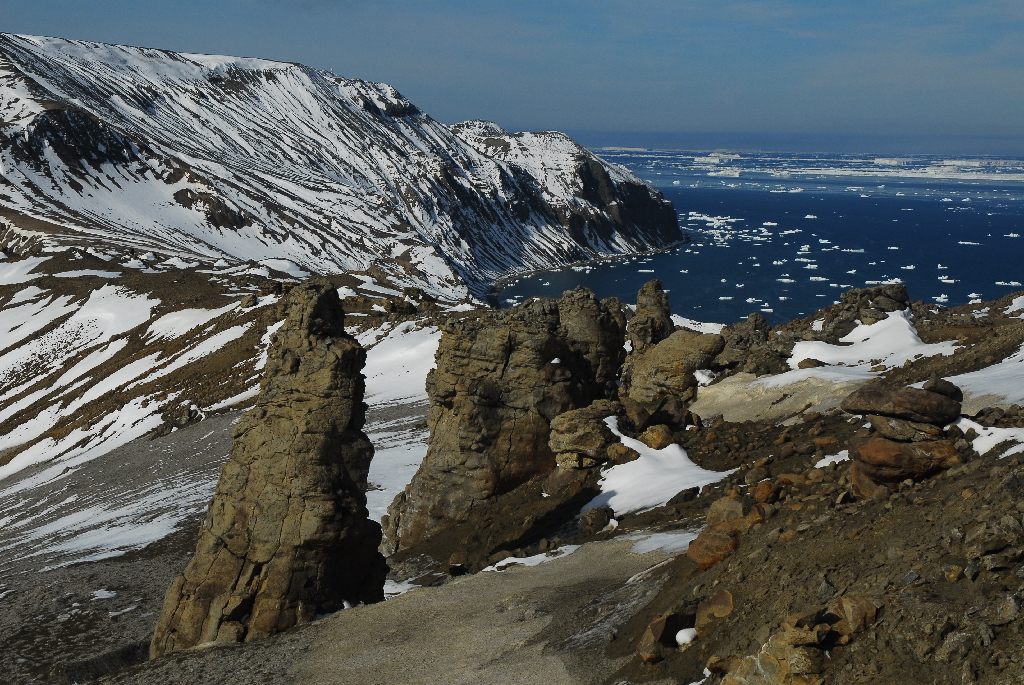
(1005, 380)
(893, 340)
(175, 324)
(397, 366)
(699, 326)
(833, 459)
(991, 437)
(651, 480)
(671, 542)
(535, 560)
(88, 272)
(18, 272)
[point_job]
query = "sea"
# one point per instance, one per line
(786, 234)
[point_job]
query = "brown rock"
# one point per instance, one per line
(657, 437)
(660, 635)
(903, 430)
(856, 614)
(911, 404)
(716, 543)
(667, 368)
(594, 520)
(712, 610)
(810, 363)
(493, 395)
(886, 461)
(287, 535)
(725, 509)
(766, 492)
(943, 387)
(861, 484)
(620, 454)
(584, 431)
(652, 321)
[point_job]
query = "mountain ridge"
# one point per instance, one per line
(206, 157)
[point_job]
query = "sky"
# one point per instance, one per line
(900, 76)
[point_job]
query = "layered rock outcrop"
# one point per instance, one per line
(905, 438)
(658, 375)
(287, 535)
(501, 379)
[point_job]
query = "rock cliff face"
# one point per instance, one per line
(287, 535)
(500, 381)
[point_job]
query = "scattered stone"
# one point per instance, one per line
(595, 520)
(725, 509)
(657, 437)
(943, 387)
(659, 636)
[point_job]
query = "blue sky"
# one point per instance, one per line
(899, 75)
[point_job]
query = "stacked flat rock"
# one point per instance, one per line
(501, 379)
(905, 438)
(287, 535)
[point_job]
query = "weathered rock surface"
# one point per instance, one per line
(287, 535)
(905, 438)
(884, 460)
(667, 368)
(580, 437)
(501, 379)
(652, 321)
(750, 347)
(903, 430)
(911, 404)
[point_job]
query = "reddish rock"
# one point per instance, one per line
(861, 484)
(712, 610)
(883, 460)
(716, 543)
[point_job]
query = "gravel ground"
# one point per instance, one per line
(64, 611)
(505, 627)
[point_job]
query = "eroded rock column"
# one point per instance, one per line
(287, 535)
(501, 378)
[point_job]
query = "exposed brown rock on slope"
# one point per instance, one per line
(905, 438)
(287, 535)
(500, 381)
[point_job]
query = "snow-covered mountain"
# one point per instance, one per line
(132, 151)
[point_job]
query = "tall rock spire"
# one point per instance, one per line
(287, 535)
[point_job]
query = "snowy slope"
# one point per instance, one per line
(206, 157)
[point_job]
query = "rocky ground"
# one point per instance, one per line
(915, 581)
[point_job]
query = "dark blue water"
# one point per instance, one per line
(963, 233)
